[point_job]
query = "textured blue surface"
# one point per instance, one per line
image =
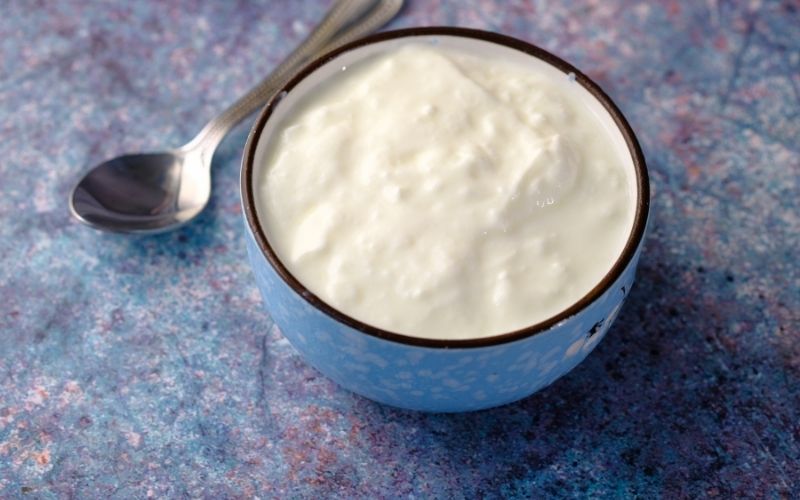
(146, 366)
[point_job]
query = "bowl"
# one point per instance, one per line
(433, 374)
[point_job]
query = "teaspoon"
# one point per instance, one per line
(156, 192)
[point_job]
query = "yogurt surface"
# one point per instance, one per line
(435, 193)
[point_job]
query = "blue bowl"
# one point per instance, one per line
(433, 374)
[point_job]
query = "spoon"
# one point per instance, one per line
(149, 193)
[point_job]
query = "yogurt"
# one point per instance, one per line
(440, 194)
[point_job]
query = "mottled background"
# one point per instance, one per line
(132, 367)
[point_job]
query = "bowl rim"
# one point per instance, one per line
(620, 265)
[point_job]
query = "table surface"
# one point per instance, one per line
(148, 366)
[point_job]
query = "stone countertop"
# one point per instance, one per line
(132, 367)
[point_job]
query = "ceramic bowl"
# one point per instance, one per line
(429, 374)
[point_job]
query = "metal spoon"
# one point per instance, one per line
(156, 192)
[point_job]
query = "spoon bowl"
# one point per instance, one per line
(142, 193)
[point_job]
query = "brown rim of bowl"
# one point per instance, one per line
(628, 252)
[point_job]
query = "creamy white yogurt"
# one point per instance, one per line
(439, 194)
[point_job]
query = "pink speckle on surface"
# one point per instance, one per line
(134, 438)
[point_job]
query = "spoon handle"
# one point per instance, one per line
(346, 21)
